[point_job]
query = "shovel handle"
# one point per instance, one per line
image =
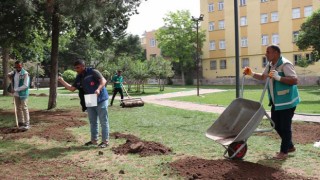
(125, 91)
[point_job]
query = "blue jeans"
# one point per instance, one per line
(101, 112)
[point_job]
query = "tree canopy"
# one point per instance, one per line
(177, 40)
(309, 34)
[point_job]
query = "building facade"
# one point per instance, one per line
(261, 23)
(149, 43)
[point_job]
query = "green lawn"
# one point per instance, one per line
(310, 98)
(181, 130)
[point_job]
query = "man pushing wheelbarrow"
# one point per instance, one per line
(242, 116)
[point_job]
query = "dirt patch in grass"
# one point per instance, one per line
(302, 133)
(39, 95)
(55, 169)
(196, 168)
(53, 125)
(46, 124)
(134, 145)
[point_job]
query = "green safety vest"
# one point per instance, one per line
(282, 95)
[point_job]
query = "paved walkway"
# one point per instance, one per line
(163, 100)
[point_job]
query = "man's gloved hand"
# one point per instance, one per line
(16, 89)
(248, 71)
(275, 75)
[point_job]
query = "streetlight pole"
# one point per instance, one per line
(197, 20)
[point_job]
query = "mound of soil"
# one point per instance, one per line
(196, 168)
(47, 124)
(134, 145)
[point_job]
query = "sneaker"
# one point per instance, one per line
(290, 150)
(25, 128)
(280, 156)
(103, 145)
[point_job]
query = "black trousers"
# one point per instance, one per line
(283, 121)
(115, 91)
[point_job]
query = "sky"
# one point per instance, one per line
(152, 12)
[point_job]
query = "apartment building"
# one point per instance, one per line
(149, 43)
(261, 22)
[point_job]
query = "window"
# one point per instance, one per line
(264, 40)
(309, 57)
(243, 21)
(212, 45)
(275, 38)
(264, 61)
(222, 44)
(307, 11)
(223, 64)
(296, 58)
(295, 13)
(213, 65)
(221, 24)
(274, 16)
(220, 5)
(211, 7)
(245, 62)
(263, 1)
(244, 42)
(263, 18)
(211, 26)
(295, 35)
(243, 2)
(153, 42)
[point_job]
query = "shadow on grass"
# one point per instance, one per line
(56, 152)
(14, 155)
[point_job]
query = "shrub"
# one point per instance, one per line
(69, 76)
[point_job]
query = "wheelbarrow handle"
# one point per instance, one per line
(263, 92)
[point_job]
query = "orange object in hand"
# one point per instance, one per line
(247, 71)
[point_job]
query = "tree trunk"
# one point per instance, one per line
(54, 60)
(5, 66)
(182, 77)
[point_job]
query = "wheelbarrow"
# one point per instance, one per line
(130, 102)
(236, 124)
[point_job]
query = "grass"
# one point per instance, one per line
(181, 130)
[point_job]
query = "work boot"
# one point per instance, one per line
(290, 150)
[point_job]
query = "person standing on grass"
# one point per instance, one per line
(92, 82)
(117, 80)
(283, 95)
(20, 88)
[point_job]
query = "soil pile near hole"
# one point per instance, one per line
(47, 170)
(134, 145)
(302, 133)
(195, 168)
(46, 124)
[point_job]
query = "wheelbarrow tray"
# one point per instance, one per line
(237, 122)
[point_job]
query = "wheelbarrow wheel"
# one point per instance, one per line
(233, 147)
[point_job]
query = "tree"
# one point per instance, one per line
(161, 69)
(19, 30)
(102, 20)
(129, 45)
(309, 35)
(177, 40)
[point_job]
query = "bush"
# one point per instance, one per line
(69, 76)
